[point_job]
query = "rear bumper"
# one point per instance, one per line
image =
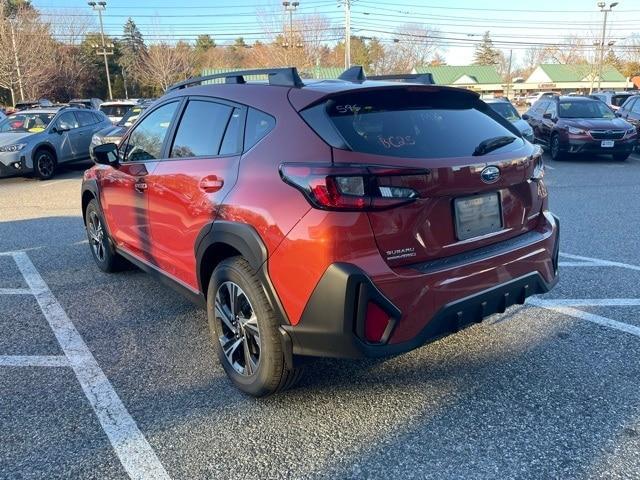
(448, 297)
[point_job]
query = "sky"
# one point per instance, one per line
(514, 25)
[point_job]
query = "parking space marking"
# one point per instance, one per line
(590, 317)
(34, 361)
(15, 291)
(588, 302)
(131, 447)
(595, 262)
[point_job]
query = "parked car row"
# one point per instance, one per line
(37, 140)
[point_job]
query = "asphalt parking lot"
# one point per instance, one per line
(113, 376)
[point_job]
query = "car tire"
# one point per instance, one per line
(102, 250)
(554, 147)
(245, 332)
(44, 164)
(620, 157)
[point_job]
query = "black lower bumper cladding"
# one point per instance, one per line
(330, 322)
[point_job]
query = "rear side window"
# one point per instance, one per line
(414, 124)
(258, 125)
(232, 137)
(201, 129)
(85, 118)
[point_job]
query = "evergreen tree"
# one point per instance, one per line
(485, 53)
(132, 48)
(204, 43)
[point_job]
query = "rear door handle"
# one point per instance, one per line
(141, 186)
(211, 184)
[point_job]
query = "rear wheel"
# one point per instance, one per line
(556, 152)
(102, 249)
(244, 330)
(44, 164)
(620, 157)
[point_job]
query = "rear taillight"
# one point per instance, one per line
(353, 187)
(538, 169)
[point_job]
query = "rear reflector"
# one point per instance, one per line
(375, 323)
(354, 187)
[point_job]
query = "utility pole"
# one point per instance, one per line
(509, 74)
(99, 7)
(15, 56)
(606, 11)
(347, 33)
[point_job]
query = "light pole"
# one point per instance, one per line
(290, 7)
(347, 33)
(606, 11)
(99, 7)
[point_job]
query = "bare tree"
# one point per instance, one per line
(415, 44)
(164, 64)
(27, 47)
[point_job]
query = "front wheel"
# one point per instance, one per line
(244, 330)
(620, 157)
(556, 152)
(102, 249)
(44, 164)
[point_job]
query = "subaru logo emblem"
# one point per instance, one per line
(490, 174)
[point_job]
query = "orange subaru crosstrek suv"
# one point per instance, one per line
(357, 217)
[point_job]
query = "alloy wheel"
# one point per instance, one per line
(45, 165)
(96, 236)
(240, 335)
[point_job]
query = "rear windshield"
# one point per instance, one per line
(415, 124)
(618, 100)
(115, 110)
(505, 110)
(584, 109)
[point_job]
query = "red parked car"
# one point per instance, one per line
(361, 217)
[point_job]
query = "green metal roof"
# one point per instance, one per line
(308, 72)
(448, 74)
(578, 72)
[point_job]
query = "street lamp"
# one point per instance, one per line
(290, 7)
(603, 9)
(100, 7)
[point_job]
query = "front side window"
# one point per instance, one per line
(618, 100)
(584, 109)
(201, 129)
(146, 140)
(635, 108)
(552, 110)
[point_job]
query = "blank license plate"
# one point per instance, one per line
(607, 143)
(477, 215)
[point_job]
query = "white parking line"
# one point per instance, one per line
(34, 361)
(591, 317)
(15, 291)
(597, 262)
(586, 302)
(135, 454)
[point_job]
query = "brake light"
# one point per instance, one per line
(353, 187)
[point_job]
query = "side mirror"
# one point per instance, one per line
(547, 116)
(59, 130)
(525, 116)
(106, 154)
(618, 114)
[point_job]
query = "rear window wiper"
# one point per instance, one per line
(491, 144)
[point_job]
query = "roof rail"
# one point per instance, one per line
(285, 77)
(356, 74)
